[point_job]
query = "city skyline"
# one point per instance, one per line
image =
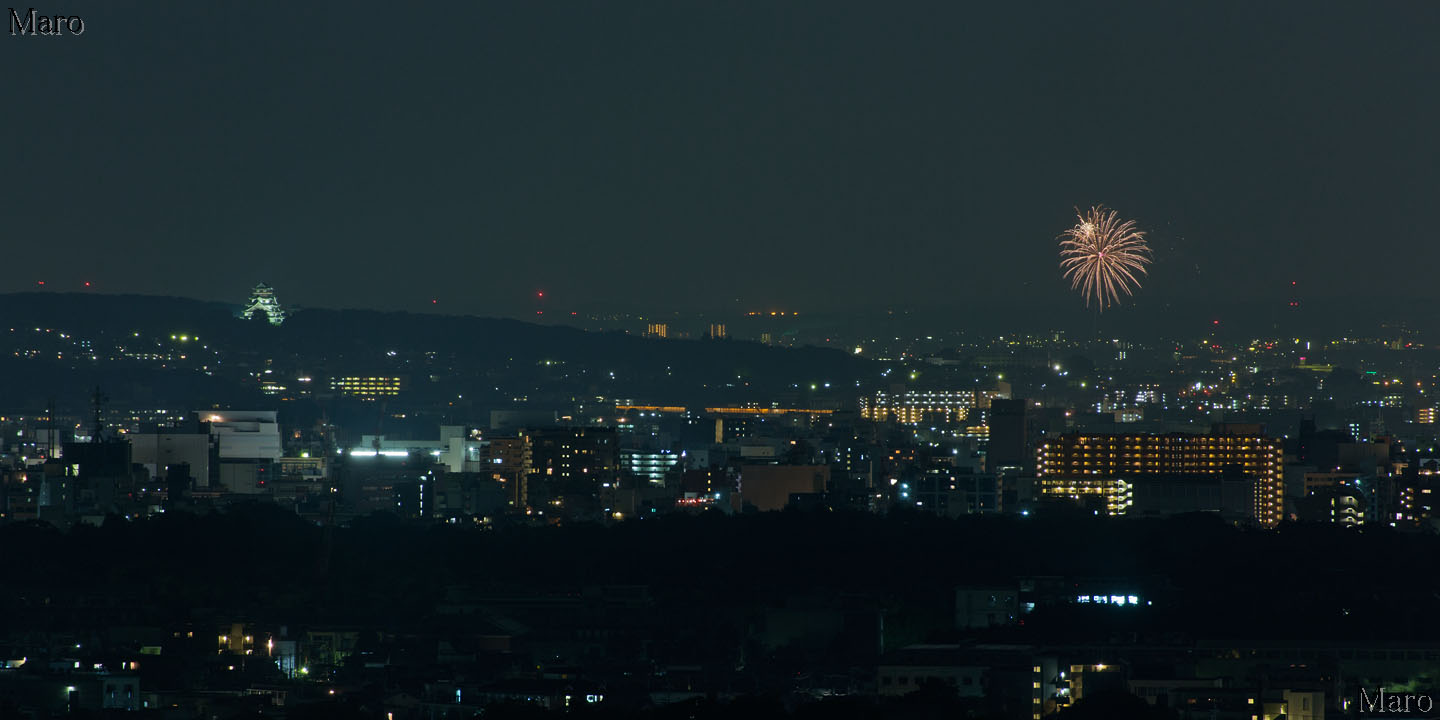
(653, 359)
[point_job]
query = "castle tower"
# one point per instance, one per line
(262, 298)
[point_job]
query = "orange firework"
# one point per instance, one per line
(1102, 256)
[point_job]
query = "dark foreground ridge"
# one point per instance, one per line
(748, 615)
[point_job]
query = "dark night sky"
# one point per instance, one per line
(681, 155)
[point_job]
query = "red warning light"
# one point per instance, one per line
(39, 282)
(434, 301)
(87, 283)
(540, 294)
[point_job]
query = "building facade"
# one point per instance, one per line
(1108, 465)
(913, 406)
(367, 386)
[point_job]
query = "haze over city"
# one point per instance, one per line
(657, 157)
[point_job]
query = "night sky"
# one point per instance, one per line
(821, 156)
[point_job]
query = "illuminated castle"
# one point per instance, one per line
(262, 299)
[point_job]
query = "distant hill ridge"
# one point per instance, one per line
(489, 353)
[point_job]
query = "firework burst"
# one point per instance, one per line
(1102, 256)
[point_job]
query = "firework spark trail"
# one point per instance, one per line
(1101, 256)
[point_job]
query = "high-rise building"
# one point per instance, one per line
(159, 451)
(717, 331)
(574, 472)
(509, 461)
(561, 455)
(1009, 440)
(247, 446)
(648, 464)
(659, 330)
(770, 487)
(1425, 416)
(1081, 464)
(367, 386)
(913, 406)
(1419, 495)
(262, 300)
(951, 494)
